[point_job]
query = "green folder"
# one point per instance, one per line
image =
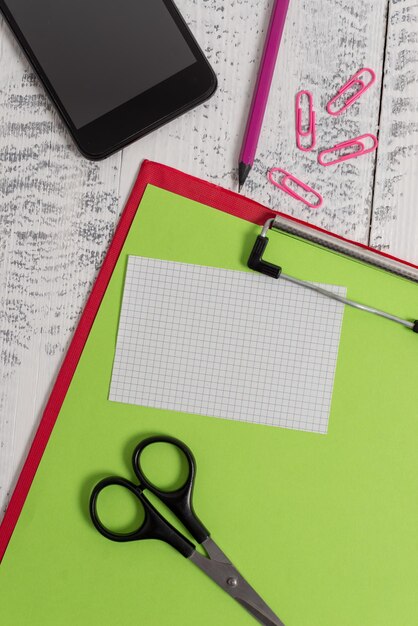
(325, 527)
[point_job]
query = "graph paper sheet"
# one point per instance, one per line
(225, 343)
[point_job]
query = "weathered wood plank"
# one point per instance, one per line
(395, 208)
(57, 215)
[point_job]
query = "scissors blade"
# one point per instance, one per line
(264, 614)
(231, 581)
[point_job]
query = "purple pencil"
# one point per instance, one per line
(262, 90)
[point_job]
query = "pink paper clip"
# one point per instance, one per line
(351, 143)
(311, 129)
(282, 185)
(355, 80)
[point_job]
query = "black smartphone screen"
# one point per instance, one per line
(99, 54)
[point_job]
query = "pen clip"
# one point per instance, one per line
(357, 143)
(284, 187)
(352, 82)
(311, 129)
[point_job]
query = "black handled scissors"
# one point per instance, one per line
(154, 526)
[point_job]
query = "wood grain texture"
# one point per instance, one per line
(395, 208)
(57, 216)
(58, 211)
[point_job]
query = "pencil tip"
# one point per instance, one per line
(243, 171)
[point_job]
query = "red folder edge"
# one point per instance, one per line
(181, 184)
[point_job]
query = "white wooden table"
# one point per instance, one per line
(58, 211)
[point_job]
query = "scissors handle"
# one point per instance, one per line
(179, 501)
(154, 526)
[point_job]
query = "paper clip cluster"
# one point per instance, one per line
(306, 135)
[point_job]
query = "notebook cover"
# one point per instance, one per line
(379, 443)
(169, 179)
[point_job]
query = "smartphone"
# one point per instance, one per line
(115, 69)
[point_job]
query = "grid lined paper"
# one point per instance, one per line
(224, 343)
